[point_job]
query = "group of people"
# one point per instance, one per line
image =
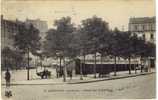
(60, 72)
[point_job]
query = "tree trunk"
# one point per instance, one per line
(101, 62)
(81, 74)
(45, 66)
(36, 70)
(115, 66)
(35, 61)
(41, 63)
(95, 65)
(16, 64)
(135, 65)
(129, 59)
(101, 59)
(64, 74)
(28, 69)
(5, 61)
(60, 74)
(149, 64)
(81, 66)
(141, 69)
(84, 60)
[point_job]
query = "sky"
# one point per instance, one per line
(115, 12)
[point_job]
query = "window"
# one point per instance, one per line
(143, 28)
(144, 36)
(135, 27)
(151, 36)
(152, 27)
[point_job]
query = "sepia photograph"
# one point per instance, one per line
(78, 49)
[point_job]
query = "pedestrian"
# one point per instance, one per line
(8, 92)
(142, 67)
(57, 71)
(7, 78)
(70, 73)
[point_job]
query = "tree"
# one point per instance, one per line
(53, 45)
(27, 40)
(94, 28)
(138, 45)
(7, 55)
(18, 58)
(104, 46)
(59, 40)
(115, 46)
(132, 47)
(135, 44)
(11, 58)
(82, 47)
(151, 51)
(146, 50)
(127, 47)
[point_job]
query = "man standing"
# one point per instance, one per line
(8, 92)
(7, 78)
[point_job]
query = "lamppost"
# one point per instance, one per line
(60, 55)
(60, 58)
(81, 73)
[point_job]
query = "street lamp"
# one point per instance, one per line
(81, 74)
(60, 56)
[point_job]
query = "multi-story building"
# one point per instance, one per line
(40, 25)
(144, 27)
(8, 29)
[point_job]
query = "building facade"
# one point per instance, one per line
(144, 27)
(8, 29)
(40, 25)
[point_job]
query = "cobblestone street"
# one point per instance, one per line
(134, 88)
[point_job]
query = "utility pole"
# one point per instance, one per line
(81, 73)
(28, 69)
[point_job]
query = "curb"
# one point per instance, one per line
(15, 84)
(113, 78)
(89, 81)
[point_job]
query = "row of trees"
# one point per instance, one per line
(27, 41)
(12, 59)
(91, 37)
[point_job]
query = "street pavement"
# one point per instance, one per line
(19, 78)
(139, 87)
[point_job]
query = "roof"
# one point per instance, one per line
(142, 20)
